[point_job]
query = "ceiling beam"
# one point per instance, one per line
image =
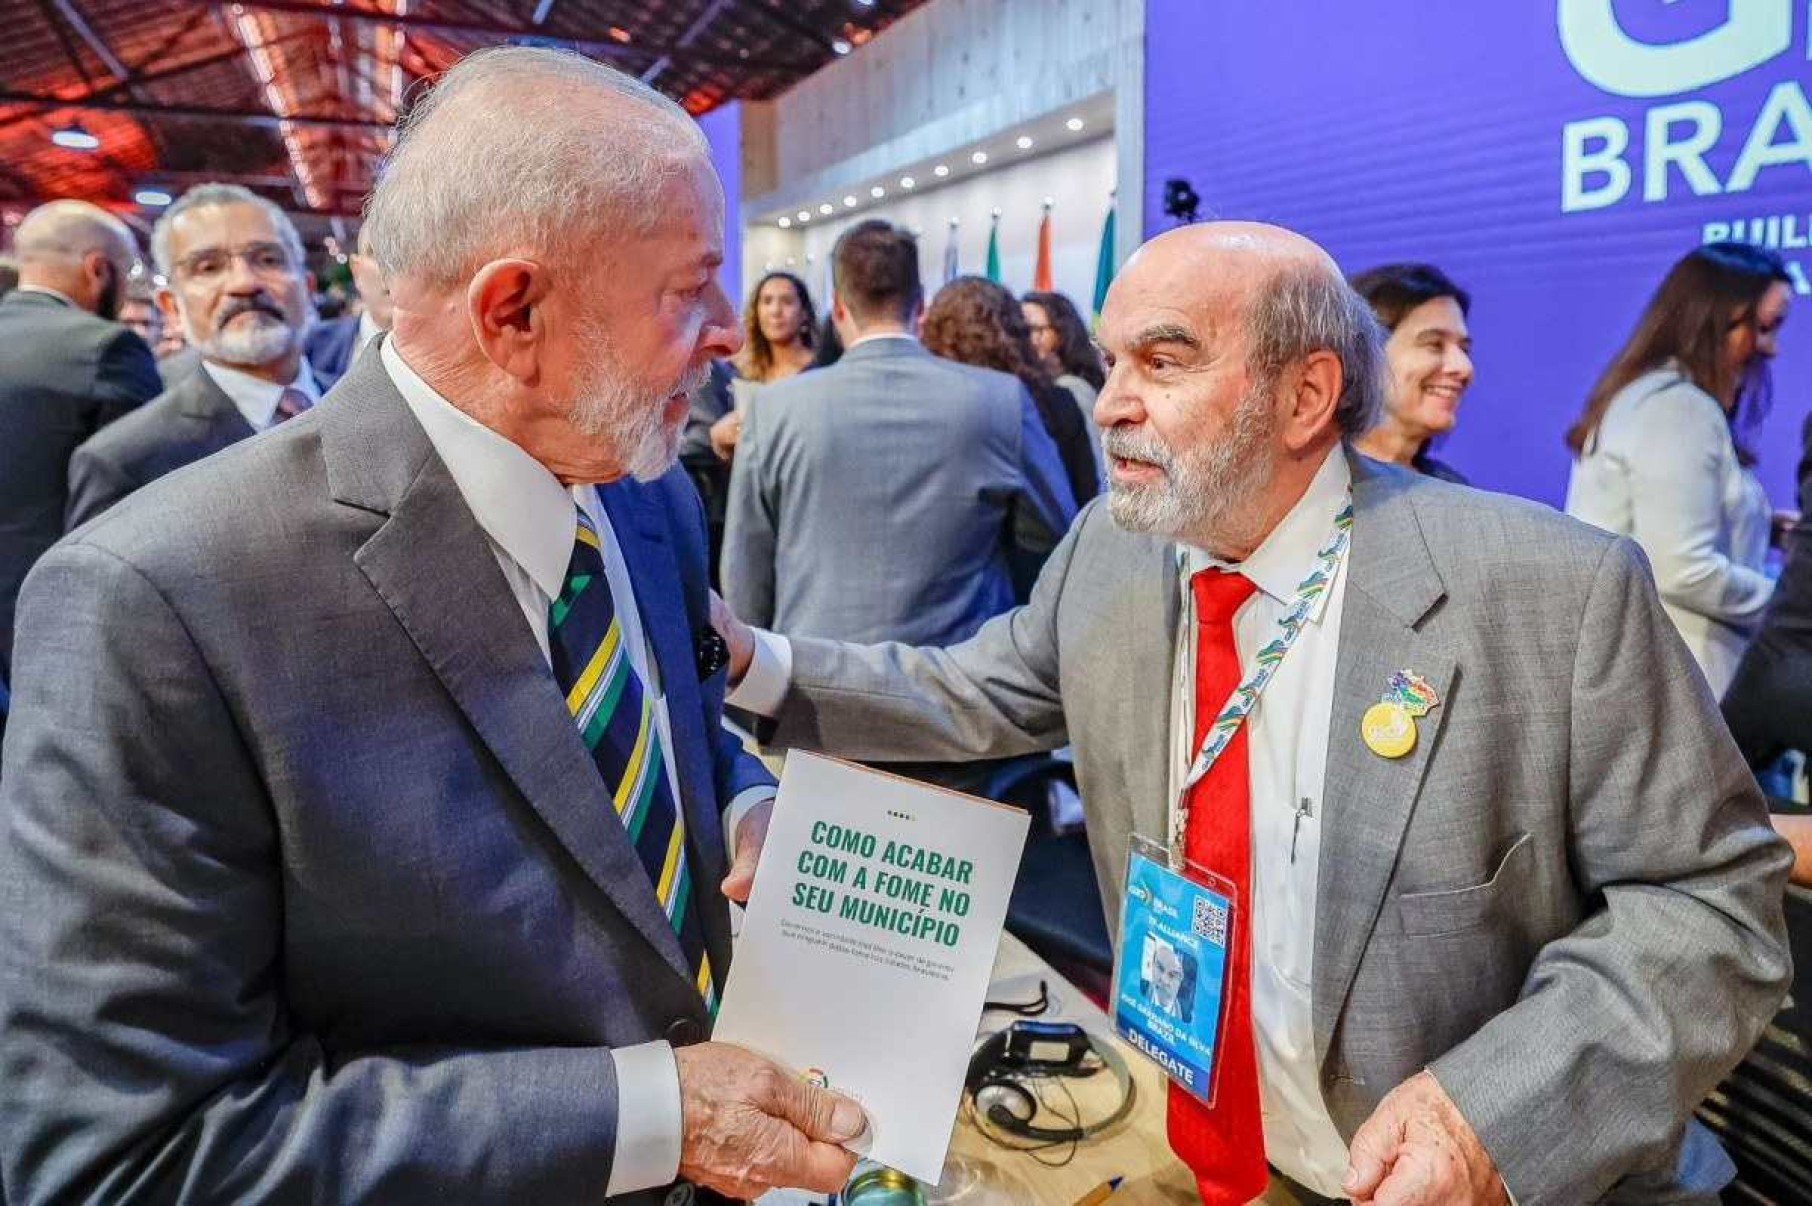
(113, 90)
(627, 56)
(257, 117)
(101, 51)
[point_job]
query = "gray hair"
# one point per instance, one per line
(1309, 308)
(504, 154)
(204, 195)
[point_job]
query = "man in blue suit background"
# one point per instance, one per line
(335, 344)
(368, 816)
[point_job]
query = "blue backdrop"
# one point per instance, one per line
(1554, 156)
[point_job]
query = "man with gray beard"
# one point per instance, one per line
(1505, 900)
(238, 282)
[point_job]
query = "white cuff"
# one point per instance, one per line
(745, 800)
(769, 676)
(648, 1118)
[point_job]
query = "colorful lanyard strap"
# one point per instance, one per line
(1245, 696)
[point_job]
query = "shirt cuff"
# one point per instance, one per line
(770, 674)
(648, 1118)
(745, 800)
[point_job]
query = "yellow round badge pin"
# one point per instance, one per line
(1389, 730)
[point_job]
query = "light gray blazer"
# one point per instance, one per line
(1566, 901)
(878, 498)
(309, 889)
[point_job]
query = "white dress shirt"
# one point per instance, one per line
(1287, 745)
(529, 519)
(1287, 753)
(1663, 470)
(257, 398)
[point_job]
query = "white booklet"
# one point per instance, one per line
(870, 936)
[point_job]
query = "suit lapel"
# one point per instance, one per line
(1146, 718)
(1392, 586)
(434, 569)
(641, 533)
(219, 421)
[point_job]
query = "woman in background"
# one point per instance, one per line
(1428, 356)
(1658, 453)
(779, 330)
(975, 321)
(1062, 342)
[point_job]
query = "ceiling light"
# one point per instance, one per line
(784, 222)
(1023, 142)
(907, 182)
(877, 192)
(979, 158)
(1073, 124)
(618, 34)
(849, 202)
(841, 46)
(154, 197)
(804, 215)
(827, 208)
(75, 137)
(941, 170)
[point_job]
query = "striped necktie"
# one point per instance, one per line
(616, 721)
(292, 403)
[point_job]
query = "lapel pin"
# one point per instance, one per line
(1389, 726)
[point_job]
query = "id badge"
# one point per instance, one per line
(1171, 974)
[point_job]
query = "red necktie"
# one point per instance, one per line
(1225, 1145)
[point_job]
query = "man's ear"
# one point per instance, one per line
(1311, 393)
(504, 304)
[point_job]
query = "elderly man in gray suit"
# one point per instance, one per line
(1511, 905)
(924, 471)
(362, 827)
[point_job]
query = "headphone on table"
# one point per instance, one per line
(1000, 1067)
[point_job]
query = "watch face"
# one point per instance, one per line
(713, 653)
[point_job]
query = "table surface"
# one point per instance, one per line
(979, 1172)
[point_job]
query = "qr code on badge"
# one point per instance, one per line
(1210, 921)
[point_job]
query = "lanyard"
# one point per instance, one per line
(1245, 696)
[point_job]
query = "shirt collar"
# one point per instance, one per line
(518, 503)
(908, 336)
(255, 397)
(47, 291)
(1279, 565)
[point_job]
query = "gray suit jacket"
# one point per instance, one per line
(64, 374)
(192, 419)
(309, 889)
(1566, 901)
(918, 470)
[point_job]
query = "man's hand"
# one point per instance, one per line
(749, 1126)
(725, 434)
(751, 833)
(737, 635)
(1416, 1150)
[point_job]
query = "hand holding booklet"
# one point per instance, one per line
(870, 936)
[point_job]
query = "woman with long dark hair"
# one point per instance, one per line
(1661, 452)
(975, 321)
(1428, 355)
(779, 330)
(1061, 340)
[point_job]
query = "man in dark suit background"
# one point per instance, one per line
(333, 346)
(239, 284)
(365, 829)
(66, 369)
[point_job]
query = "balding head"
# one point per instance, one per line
(1241, 358)
(80, 250)
(525, 151)
(550, 231)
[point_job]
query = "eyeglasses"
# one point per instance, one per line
(212, 263)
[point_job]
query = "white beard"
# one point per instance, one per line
(607, 402)
(1206, 489)
(249, 340)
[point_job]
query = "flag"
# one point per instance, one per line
(993, 272)
(951, 272)
(1041, 274)
(1104, 261)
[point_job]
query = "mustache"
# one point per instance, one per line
(1132, 445)
(245, 305)
(694, 380)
